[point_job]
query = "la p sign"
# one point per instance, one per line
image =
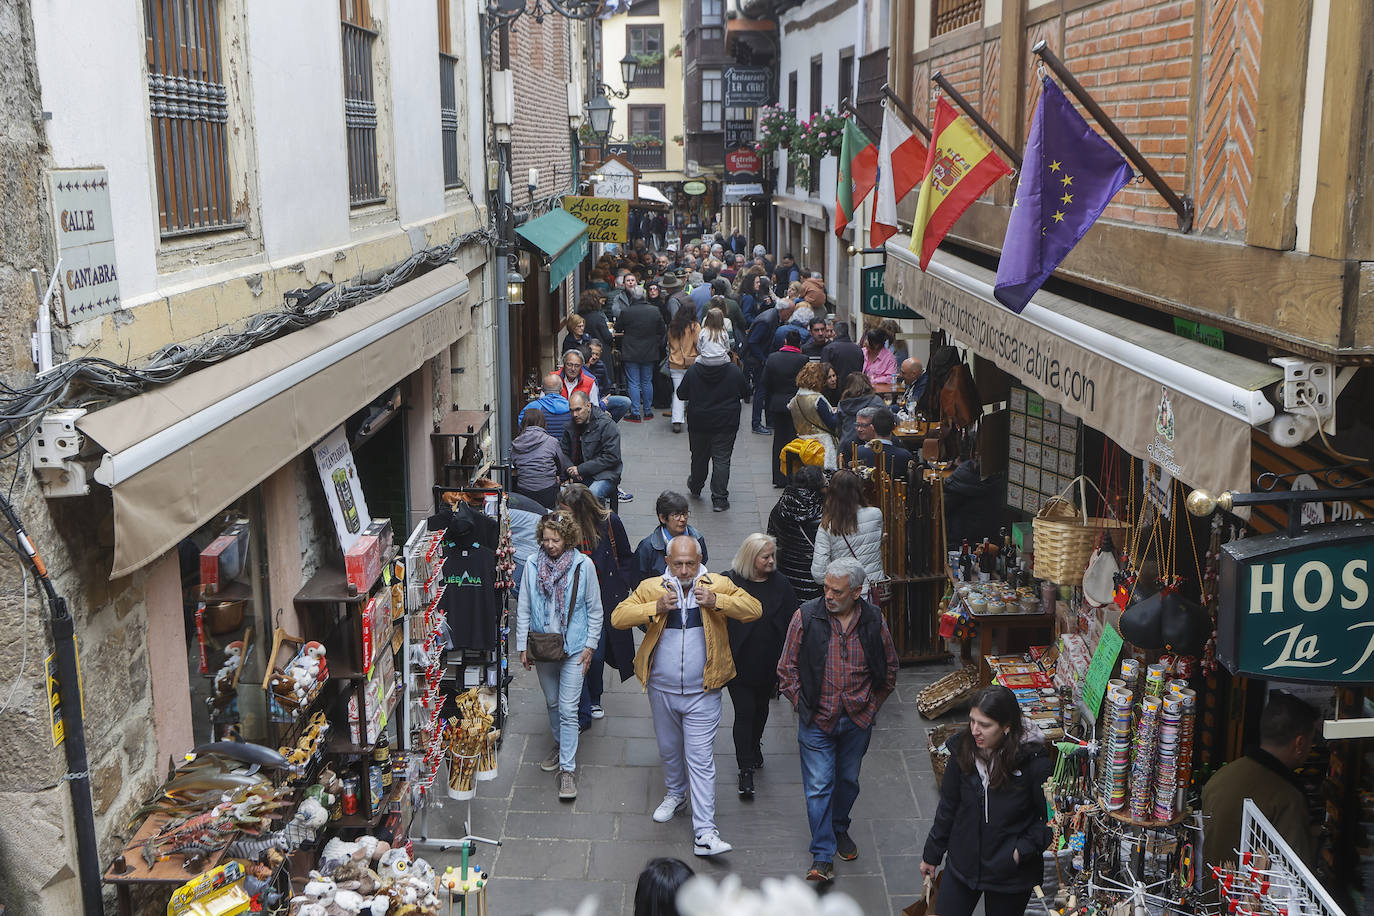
(1299, 609)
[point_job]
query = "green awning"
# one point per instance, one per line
(561, 236)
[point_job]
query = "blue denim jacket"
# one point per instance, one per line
(534, 614)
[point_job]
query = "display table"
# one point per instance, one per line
(988, 624)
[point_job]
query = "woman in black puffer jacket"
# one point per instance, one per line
(991, 821)
(793, 523)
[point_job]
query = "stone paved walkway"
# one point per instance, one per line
(553, 854)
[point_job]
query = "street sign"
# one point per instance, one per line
(1298, 608)
(89, 281)
(746, 87)
(743, 162)
(876, 301)
(607, 219)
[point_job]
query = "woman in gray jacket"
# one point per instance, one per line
(538, 460)
(848, 529)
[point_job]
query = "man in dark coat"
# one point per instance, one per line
(738, 243)
(843, 354)
(784, 275)
(756, 351)
(592, 443)
(712, 391)
(644, 329)
(651, 555)
(779, 386)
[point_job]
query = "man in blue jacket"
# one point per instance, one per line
(552, 404)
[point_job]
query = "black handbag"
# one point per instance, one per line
(548, 647)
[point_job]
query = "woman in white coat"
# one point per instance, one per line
(848, 528)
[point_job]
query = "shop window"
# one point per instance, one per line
(189, 107)
(228, 627)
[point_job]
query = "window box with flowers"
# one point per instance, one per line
(643, 140)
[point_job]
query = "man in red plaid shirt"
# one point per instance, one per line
(838, 666)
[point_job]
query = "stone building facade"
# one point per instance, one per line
(293, 221)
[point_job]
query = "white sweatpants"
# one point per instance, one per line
(685, 725)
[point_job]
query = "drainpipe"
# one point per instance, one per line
(74, 728)
(504, 248)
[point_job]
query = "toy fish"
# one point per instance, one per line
(254, 754)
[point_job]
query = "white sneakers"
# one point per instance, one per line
(710, 844)
(670, 805)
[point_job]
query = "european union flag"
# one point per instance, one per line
(1069, 176)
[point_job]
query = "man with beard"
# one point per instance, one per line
(838, 666)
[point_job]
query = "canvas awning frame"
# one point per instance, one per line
(562, 237)
(178, 454)
(1216, 398)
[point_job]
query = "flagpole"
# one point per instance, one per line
(906, 112)
(939, 79)
(845, 106)
(1183, 206)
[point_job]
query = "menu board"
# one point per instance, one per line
(1043, 453)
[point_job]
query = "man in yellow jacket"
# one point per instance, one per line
(683, 662)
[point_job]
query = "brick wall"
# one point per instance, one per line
(1136, 58)
(540, 139)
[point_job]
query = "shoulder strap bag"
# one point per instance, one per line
(548, 647)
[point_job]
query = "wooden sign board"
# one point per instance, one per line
(607, 219)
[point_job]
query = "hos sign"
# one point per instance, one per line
(1299, 609)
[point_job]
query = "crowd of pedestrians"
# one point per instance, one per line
(747, 630)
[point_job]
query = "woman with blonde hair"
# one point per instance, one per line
(812, 415)
(559, 597)
(849, 528)
(756, 648)
(576, 338)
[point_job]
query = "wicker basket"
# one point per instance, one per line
(1064, 540)
(939, 697)
(935, 743)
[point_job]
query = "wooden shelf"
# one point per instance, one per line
(329, 586)
(234, 591)
(370, 820)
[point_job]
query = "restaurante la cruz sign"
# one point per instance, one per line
(1299, 608)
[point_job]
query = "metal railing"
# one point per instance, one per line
(360, 116)
(648, 77)
(645, 157)
(189, 106)
(448, 118)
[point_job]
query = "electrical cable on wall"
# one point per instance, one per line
(22, 406)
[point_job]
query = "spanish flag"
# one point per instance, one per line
(959, 168)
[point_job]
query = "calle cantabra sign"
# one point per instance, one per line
(1299, 608)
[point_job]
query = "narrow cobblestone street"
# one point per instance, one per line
(554, 854)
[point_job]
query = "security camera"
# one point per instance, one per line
(1291, 429)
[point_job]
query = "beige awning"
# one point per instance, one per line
(177, 455)
(1185, 406)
